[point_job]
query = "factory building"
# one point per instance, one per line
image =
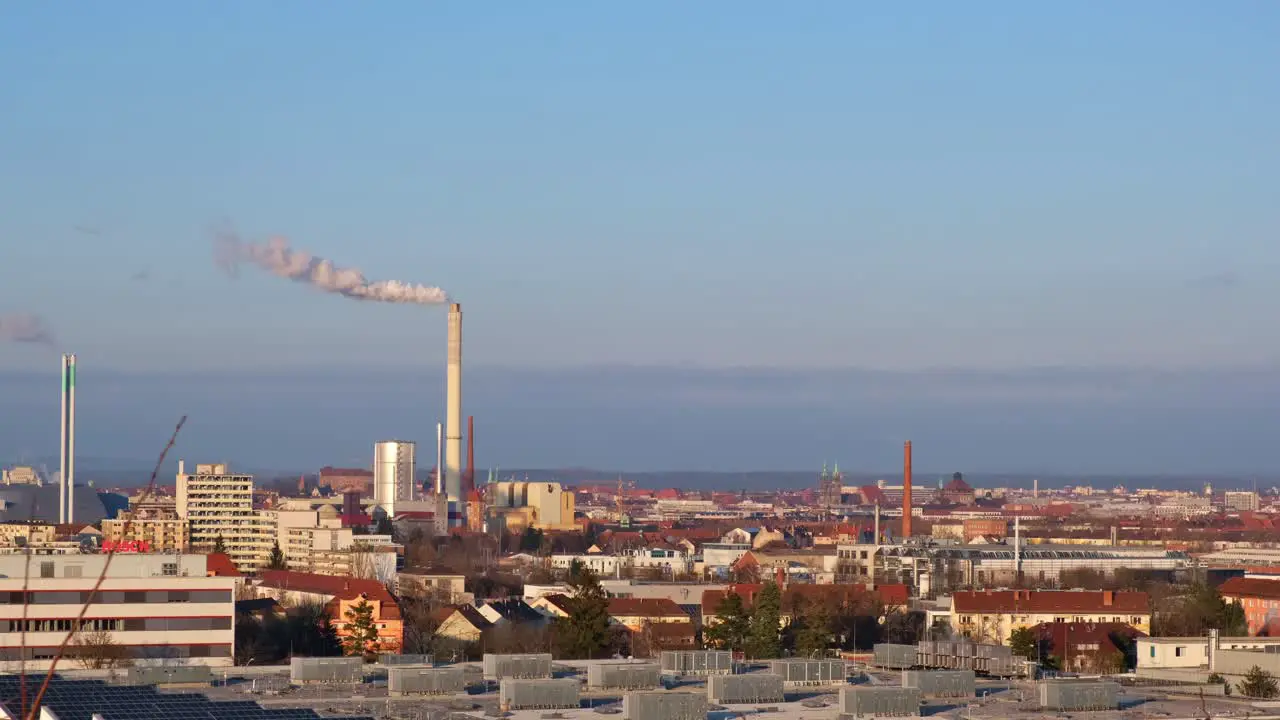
(219, 504)
(541, 505)
(933, 569)
(152, 607)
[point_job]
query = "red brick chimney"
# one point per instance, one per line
(780, 577)
(1108, 598)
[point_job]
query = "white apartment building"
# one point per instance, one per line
(218, 504)
(1240, 500)
(671, 562)
(156, 607)
(1184, 506)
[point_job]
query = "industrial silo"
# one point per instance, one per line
(394, 466)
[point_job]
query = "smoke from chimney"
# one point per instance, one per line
(906, 489)
(276, 257)
(25, 328)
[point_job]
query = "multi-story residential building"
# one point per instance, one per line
(856, 563)
(20, 476)
(160, 530)
(335, 551)
(218, 505)
(1240, 500)
(1185, 506)
(1260, 600)
(24, 534)
(148, 607)
(991, 615)
(338, 595)
(718, 557)
(443, 584)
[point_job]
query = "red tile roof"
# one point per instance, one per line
(1049, 601)
(220, 565)
(645, 607)
(1239, 587)
(341, 588)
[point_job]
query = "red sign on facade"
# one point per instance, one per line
(126, 546)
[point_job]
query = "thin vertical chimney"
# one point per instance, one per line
(1017, 550)
(906, 490)
(71, 439)
(62, 449)
(469, 475)
(440, 458)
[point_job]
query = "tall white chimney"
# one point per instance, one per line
(71, 441)
(62, 448)
(453, 409)
(67, 442)
(439, 458)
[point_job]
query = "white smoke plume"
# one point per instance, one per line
(25, 328)
(276, 257)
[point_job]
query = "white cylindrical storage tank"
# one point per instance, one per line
(394, 467)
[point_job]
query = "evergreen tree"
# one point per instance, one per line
(1258, 683)
(585, 632)
(219, 546)
(815, 632)
(1022, 642)
(276, 561)
(362, 631)
(384, 526)
(732, 625)
(762, 642)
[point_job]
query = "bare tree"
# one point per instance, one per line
(98, 650)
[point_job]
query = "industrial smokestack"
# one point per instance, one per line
(67, 442)
(906, 489)
(62, 448)
(469, 476)
(439, 458)
(453, 409)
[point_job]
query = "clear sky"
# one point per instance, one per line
(794, 185)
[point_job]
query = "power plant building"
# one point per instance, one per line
(540, 505)
(394, 468)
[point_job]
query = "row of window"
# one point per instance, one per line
(1132, 620)
(71, 597)
(116, 624)
(150, 652)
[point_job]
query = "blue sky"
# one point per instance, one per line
(994, 185)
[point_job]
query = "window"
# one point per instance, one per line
(46, 569)
(169, 569)
(1178, 651)
(1153, 651)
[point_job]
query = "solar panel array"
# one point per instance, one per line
(80, 699)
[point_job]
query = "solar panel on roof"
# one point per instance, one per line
(80, 699)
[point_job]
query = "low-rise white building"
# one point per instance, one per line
(149, 607)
